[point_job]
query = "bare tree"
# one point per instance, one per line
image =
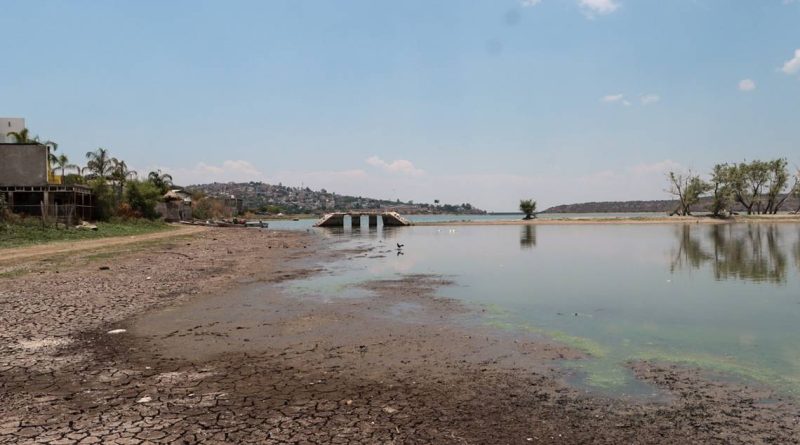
(687, 188)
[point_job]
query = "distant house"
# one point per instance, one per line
(177, 206)
(28, 184)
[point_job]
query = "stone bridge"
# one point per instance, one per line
(390, 219)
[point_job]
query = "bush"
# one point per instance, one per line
(143, 197)
(104, 199)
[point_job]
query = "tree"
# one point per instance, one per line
(528, 207)
(61, 162)
(103, 198)
(778, 180)
(747, 183)
(687, 188)
(99, 163)
(722, 196)
(120, 173)
(161, 180)
(143, 196)
(23, 136)
(758, 186)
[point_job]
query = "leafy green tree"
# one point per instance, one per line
(688, 188)
(722, 195)
(776, 187)
(104, 199)
(143, 197)
(528, 207)
(758, 186)
(747, 182)
(161, 180)
(99, 163)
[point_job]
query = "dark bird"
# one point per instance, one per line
(400, 246)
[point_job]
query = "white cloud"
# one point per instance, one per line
(529, 3)
(649, 99)
(747, 85)
(397, 166)
(792, 66)
(611, 98)
(592, 8)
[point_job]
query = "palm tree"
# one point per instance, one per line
(161, 180)
(528, 207)
(119, 174)
(99, 163)
(61, 162)
(23, 136)
(51, 147)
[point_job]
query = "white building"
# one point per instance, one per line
(8, 125)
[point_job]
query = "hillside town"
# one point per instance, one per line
(260, 197)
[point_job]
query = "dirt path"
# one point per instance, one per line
(29, 252)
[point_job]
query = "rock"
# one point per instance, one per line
(389, 410)
(145, 399)
(116, 331)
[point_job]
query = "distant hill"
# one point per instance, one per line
(661, 206)
(271, 198)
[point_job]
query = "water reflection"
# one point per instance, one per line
(527, 237)
(752, 252)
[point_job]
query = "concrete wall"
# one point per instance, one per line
(23, 164)
(8, 125)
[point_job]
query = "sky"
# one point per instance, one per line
(480, 101)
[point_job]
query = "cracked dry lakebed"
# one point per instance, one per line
(317, 337)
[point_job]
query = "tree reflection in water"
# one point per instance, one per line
(527, 237)
(751, 252)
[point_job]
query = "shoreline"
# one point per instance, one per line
(216, 350)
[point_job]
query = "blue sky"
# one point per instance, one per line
(480, 101)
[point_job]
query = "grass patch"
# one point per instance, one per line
(30, 231)
(13, 273)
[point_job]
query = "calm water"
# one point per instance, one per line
(308, 223)
(725, 298)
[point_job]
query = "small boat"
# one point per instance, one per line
(257, 224)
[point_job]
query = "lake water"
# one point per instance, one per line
(723, 297)
(308, 223)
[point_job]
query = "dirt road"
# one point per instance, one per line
(17, 254)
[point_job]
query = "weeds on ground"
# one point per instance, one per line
(18, 232)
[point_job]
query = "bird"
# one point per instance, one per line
(400, 246)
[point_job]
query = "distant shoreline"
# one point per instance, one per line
(784, 218)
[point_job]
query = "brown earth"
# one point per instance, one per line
(217, 351)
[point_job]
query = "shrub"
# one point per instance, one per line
(104, 199)
(142, 197)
